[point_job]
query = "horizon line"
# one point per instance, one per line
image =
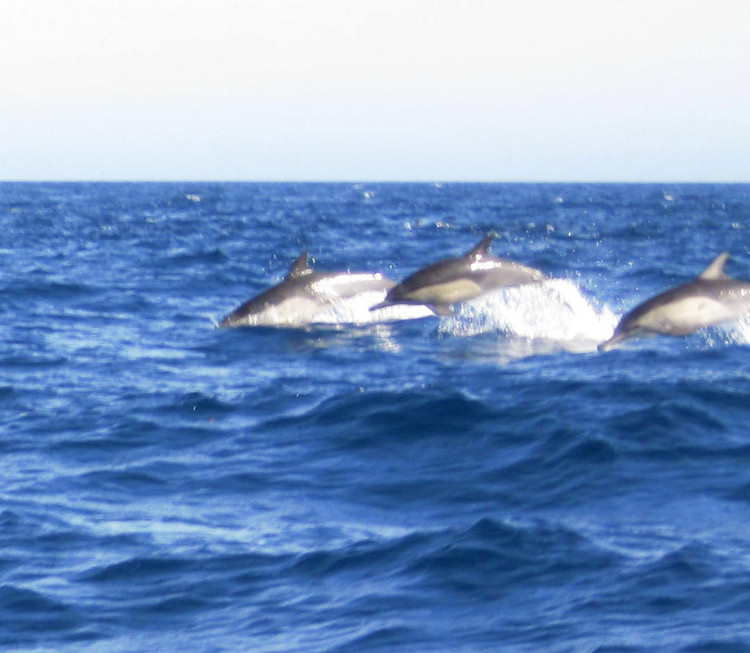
(367, 181)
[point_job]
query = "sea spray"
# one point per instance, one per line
(556, 311)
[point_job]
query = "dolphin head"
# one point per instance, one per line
(625, 330)
(648, 319)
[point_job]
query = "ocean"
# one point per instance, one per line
(483, 481)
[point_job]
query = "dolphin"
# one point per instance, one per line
(456, 280)
(709, 299)
(302, 295)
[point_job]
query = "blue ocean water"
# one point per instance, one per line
(486, 481)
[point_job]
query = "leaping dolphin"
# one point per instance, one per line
(709, 299)
(302, 295)
(455, 280)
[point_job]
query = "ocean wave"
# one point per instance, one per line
(473, 482)
(135, 570)
(25, 611)
(376, 417)
(496, 555)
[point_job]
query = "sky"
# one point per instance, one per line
(375, 90)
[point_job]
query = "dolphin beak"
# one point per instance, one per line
(615, 340)
(383, 304)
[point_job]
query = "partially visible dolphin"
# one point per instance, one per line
(455, 280)
(302, 295)
(709, 299)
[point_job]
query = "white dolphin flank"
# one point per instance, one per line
(303, 295)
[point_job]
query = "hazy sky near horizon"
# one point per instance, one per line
(434, 90)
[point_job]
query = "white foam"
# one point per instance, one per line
(555, 311)
(736, 332)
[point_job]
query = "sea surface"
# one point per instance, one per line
(484, 481)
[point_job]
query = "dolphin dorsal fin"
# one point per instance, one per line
(482, 249)
(300, 267)
(716, 269)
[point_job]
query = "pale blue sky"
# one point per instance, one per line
(375, 90)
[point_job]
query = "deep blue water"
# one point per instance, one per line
(480, 482)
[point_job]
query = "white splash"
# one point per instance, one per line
(736, 332)
(553, 312)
